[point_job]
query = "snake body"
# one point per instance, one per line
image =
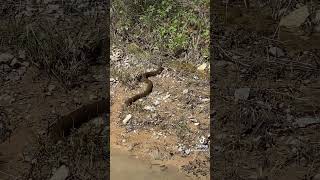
(144, 78)
(76, 118)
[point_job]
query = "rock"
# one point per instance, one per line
(317, 28)
(316, 177)
(61, 173)
(22, 54)
(220, 64)
(149, 108)
(242, 94)
(25, 63)
(15, 63)
(127, 118)
(6, 99)
(291, 141)
(306, 121)
(52, 8)
(166, 97)
(98, 121)
(51, 87)
(5, 68)
(156, 102)
(276, 52)
(253, 177)
(205, 99)
(6, 58)
(113, 80)
(296, 18)
(202, 67)
(27, 158)
(185, 91)
(93, 97)
(21, 71)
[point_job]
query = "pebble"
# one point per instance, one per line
(316, 177)
(61, 173)
(166, 97)
(22, 54)
(305, 121)
(202, 67)
(6, 57)
(242, 94)
(93, 97)
(185, 91)
(276, 52)
(51, 87)
(156, 102)
(126, 119)
(15, 63)
(149, 108)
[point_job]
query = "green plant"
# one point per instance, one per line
(167, 24)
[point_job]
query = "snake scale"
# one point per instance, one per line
(62, 127)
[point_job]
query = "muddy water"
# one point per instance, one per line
(125, 166)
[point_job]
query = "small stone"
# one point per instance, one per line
(93, 97)
(112, 80)
(166, 97)
(130, 147)
(21, 71)
(316, 177)
(6, 99)
(5, 68)
(98, 121)
(127, 118)
(51, 87)
(149, 108)
(187, 151)
(276, 52)
(205, 100)
(296, 18)
(156, 102)
(202, 67)
(242, 94)
(305, 121)
(25, 63)
(222, 63)
(6, 57)
(22, 54)
(185, 91)
(15, 63)
(253, 177)
(61, 173)
(281, 105)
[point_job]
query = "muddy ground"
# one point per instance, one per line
(265, 100)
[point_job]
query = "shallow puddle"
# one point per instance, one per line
(124, 167)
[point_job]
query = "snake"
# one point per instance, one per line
(144, 78)
(62, 127)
